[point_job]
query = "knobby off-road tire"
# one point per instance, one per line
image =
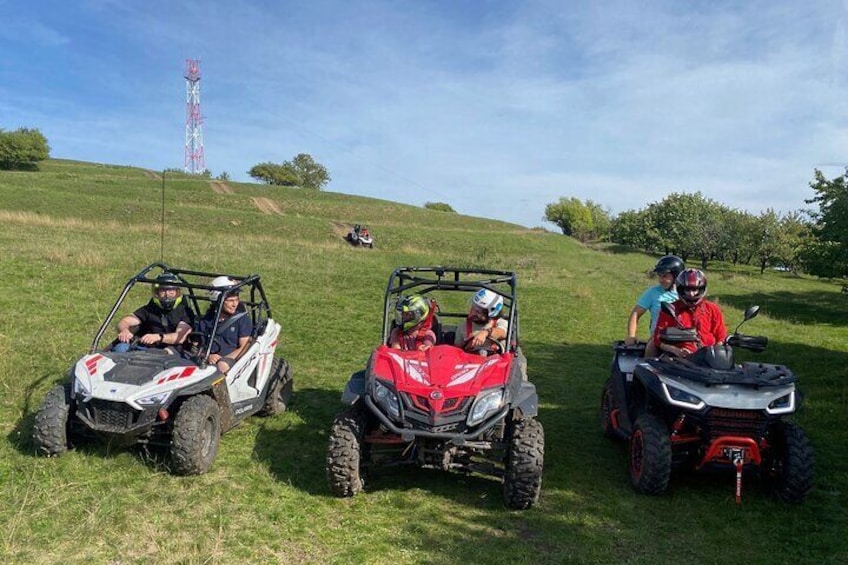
(196, 434)
(280, 393)
(524, 464)
(791, 473)
(345, 452)
(51, 429)
(650, 455)
(607, 406)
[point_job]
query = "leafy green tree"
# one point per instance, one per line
(302, 171)
(769, 238)
(439, 206)
(22, 148)
(310, 174)
(827, 256)
(572, 216)
(797, 235)
(601, 221)
(274, 174)
(739, 239)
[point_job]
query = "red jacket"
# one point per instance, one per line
(706, 318)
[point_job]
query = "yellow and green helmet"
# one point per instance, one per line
(411, 311)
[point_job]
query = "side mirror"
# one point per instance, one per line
(751, 312)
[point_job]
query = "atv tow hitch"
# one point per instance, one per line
(738, 457)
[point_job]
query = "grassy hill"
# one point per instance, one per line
(72, 233)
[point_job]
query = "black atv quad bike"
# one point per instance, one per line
(706, 411)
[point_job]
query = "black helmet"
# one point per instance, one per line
(167, 281)
(691, 279)
(669, 264)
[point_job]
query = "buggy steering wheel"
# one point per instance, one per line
(488, 344)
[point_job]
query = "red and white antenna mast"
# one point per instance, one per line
(194, 159)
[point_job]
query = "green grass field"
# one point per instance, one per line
(73, 233)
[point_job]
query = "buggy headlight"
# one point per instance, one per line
(80, 389)
(680, 397)
(387, 399)
(783, 405)
(486, 404)
(154, 399)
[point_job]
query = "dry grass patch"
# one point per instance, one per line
(221, 187)
(266, 205)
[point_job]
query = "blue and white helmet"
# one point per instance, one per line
(489, 301)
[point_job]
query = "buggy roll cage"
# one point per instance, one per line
(424, 280)
(257, 304)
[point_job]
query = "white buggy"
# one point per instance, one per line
(173, 397)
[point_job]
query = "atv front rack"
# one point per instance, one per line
(747, 374)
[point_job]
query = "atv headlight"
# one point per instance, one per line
(154, 399)
(783, 405)
(387, 399)
(680, 397)
(486, 404)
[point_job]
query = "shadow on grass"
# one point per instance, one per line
(800, 307)
(297, 455)
(21, 435)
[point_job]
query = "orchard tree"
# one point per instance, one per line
(827, 256)
(22, 148)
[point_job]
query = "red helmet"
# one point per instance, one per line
(691, 286)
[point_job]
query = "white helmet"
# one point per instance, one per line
(489, 301)
(220, 282)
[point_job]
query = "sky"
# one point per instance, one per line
(497, 108)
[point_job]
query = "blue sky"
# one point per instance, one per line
(495, 107)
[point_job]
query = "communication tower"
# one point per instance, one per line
(194, 158)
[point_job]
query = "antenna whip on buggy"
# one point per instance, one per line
(162, 231)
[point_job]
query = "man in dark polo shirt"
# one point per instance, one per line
(163, 321)
(234, 326)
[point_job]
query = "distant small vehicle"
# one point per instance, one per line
(359, 235)
(179, 401)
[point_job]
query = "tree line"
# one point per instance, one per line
(813, 241)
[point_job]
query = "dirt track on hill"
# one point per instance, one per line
(221, 187)
(267, 206)
(152, 175)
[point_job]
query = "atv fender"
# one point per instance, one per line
(354, 388)
(526, 400)
(651, 384)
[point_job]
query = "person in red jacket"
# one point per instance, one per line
(692, 310)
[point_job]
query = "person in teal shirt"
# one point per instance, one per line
(666, 269)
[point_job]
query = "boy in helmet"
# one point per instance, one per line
(413, 322)
(666, 269)
(235, 327)
(163, 321)
(692, 310)
(483, 323)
